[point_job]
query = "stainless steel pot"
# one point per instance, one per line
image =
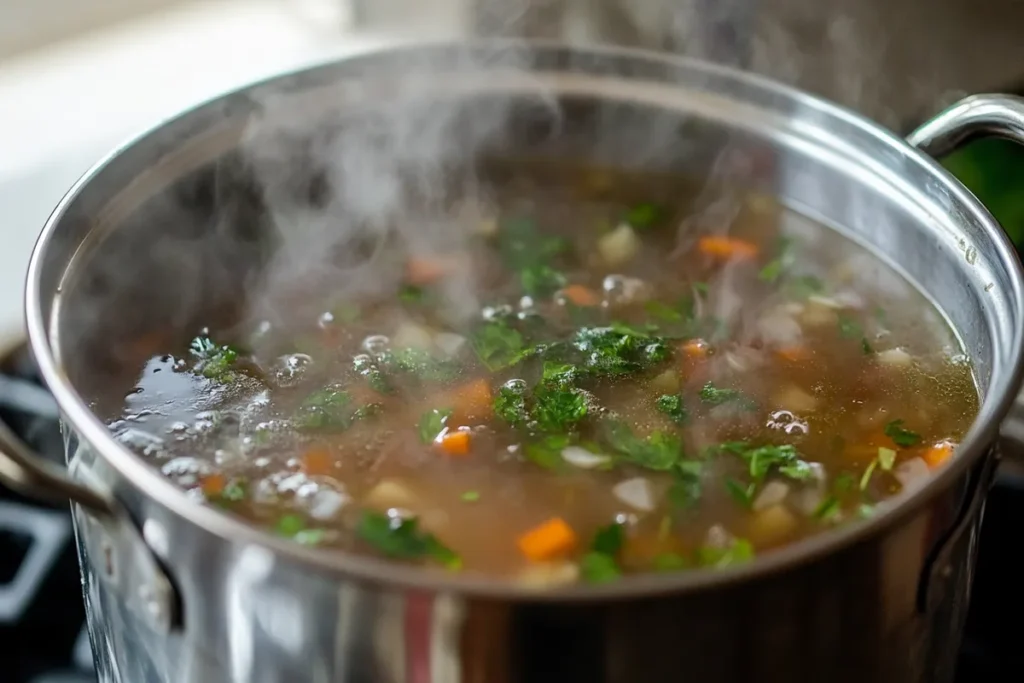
(173, 225)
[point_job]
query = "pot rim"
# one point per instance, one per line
(336, 563)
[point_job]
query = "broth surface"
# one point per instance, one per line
(581, 382)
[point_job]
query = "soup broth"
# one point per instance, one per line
(588, 383)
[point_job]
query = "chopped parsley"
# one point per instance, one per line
(672, 405)
(294, 527)
(601, 565)
(714, 396)
(644, 215)
(403, 539)
(411, 294)
(670, 562)
(685, 491)
(737, 551)
(547, 451)
(330, 410)
(558, 407)
(774, 268)
(744, 495)
(901, 436)
(470, 496)
(761, 460)
(828, 509)
(849, 328)
(617, 350)
(432, 424)
(541, 280)
(658, 451)
(510, 403)
(213, 361)
(498, 345)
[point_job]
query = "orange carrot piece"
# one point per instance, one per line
(470, 401)
(547, 541)
(423, 270)
(722, 247)
(455, 443)
(794, 354)
(695, 348)
(213, 484)
(938, 453)
(581, 296)
(317, 462)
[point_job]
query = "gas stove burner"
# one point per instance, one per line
(42, 620)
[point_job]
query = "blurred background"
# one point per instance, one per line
(78, 77)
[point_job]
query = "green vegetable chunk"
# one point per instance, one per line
(737, 551)
(659, 451)
(900, 436)
(213, 361)
(432, 424)
(402, 539)
(672, 405)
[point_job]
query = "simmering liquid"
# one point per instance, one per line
(588, 383)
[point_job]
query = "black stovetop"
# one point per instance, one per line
(42, 621)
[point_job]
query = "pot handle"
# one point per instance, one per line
(978, 115)
(24, 471)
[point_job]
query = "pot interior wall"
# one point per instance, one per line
(181, 225)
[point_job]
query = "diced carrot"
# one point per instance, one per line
(938, 453)
(794, 354)
(548, 541)
(455, 443)
(581, 296)
(317, 462)
(423, 270)
(695, 348)
(470, 401)
(213, 484)
(722, 247)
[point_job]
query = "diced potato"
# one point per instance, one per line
(390, 493)
(795, 399)
(772, 525)
(666, 383)
(409, 335)
(816, 314)
(619, 246)
(549, 574)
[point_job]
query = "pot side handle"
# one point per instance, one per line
(975, 116)
(24, 471)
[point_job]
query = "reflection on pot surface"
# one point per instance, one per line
(181, 228)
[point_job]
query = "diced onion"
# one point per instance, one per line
(827, 302)
(895, 357)
(911, 473)
(409, 335)
(773, 493)
(582, 458)
(636, 493)
(549, 574)
(390, 494)
(326, 503)
(618, 246)
(449, 343)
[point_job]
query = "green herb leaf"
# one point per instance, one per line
(547, 451)
(559, 373)
(869, 471)
(618, 350)
(784, 459)
(804, 286)
(294, 527)
(432, 424)
(368, 367)
(659, 451)
(235, 491)
(849, 328)
(541, 280)
(738, 551)
(470, 496)
(900, 436)
(599, 568)
(411, 294)
(744, 495)
(844, 482)
(609, 539)
(212, 360)
(498, 345)
(663, 311)
(828, 509)
(330, 410)
(669, 562)
(420, 365)
(685, 491)
(672, 405)
(510, 404)
(643, 215)
(866, 347)
(557, 408)
(402, 539)
(714, 396)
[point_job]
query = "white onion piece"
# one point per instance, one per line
(912, 474)
(773, 493)
(582, 458)
(779, 328)
(548, 574)
(618, 246)
(849, 299)
(895, 357)
(718, 537)
(826, 301)
(326, 503)
(812, 493)
(409, 335)
(636, 493)
(449, 343)
(390, 494)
